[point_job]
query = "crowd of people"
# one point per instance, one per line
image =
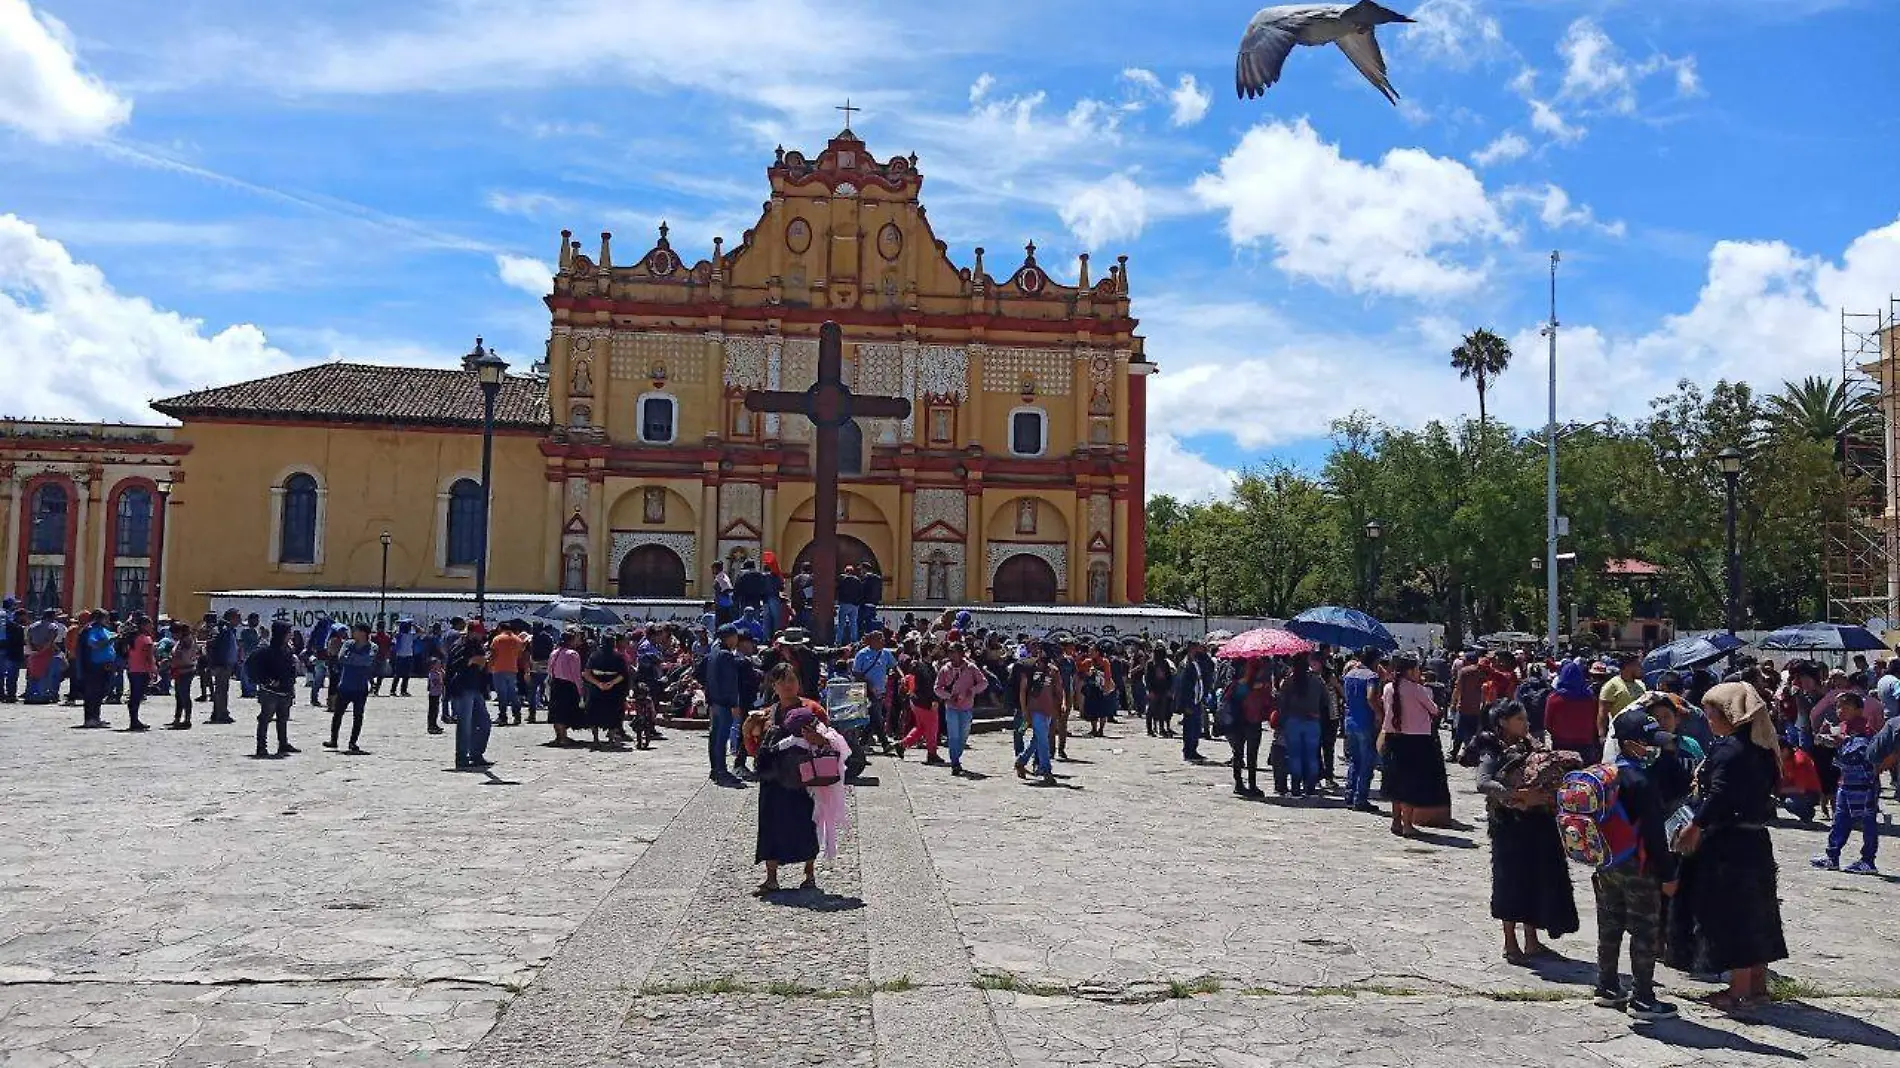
(1688, 768)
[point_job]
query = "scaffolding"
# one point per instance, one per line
(1860, 555)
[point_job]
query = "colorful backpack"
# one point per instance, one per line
(1590, 816)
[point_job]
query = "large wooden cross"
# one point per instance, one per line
(829, 405)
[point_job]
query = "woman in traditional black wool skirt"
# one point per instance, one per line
(1530, 874)
(1727, 914)
(787, 834)
(1415, 780)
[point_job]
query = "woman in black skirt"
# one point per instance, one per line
(606, 686)
(787, 834)
(1530, 874)
(1728, 915)
(564, 688)
(1415, 780)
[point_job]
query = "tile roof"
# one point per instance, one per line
(368, 393)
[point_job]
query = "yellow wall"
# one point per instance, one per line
(376, 480)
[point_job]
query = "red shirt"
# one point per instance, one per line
(1798, 775)
(1572, 723)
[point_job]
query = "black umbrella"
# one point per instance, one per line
(583, 612)
(1823, 638)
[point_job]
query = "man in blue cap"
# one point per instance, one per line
(720, 676)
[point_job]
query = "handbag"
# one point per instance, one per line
(820, 768)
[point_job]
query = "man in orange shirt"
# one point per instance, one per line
(504, 667)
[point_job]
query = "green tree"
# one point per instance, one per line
(1824, 410)
(1482, 356)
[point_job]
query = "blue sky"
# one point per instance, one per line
(207, 190)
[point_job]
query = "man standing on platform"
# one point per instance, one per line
(802, 585)
(850, 598)
(871, 597)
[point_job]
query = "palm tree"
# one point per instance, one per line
(1821, 409)
(1482, 356)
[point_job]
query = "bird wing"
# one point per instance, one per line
(1263, 52)
(1363, 49)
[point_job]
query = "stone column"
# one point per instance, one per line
(906, 527)
(600, 577)
(551, 547)
(976, 571)
(10, 535)
(1078, 591)
(164, 544)
(77, 563)
(708, 532)
(768, 517)
(972, 414)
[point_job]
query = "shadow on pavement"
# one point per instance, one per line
(814, 901)
(1692, 1035)
(1812, 1021)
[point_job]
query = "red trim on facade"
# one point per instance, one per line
(109, 552)
(1068, 328)
(1135, 553)
(24, 519)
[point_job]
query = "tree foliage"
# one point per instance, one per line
(1460, 513)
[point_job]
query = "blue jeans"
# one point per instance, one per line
(246, 688)
(847, 625)
(1039, 727)
(1868, 823)
(471, 727)
(718, 733)
(1301, 737)
(537, 690)
(46, 687)
(9, 678)
(956, 723)
(1362, 758)
(867, 618)
(507, 693)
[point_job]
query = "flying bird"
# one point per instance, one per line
(1275, 30)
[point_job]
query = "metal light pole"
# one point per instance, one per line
(1550, 469)
(382, 591)
(1729, 460)
(1375, 531)
(488, 369)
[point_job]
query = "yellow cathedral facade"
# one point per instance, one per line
(627, 463)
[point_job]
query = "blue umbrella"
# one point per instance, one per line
(1823, 638)
(1684, 653)
(1344, 628)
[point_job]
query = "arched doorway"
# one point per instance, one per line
(1025, 579)
(652, 571)
(851, 553)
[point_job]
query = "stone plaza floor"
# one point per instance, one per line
(164, 900)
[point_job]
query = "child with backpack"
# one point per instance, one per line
(1612, 817)
(1857, 798)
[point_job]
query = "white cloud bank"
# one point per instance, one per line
(43, 92)
(525, 273)
(78, 348)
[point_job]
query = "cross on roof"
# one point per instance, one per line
(848, 112)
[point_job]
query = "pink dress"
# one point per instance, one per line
(830, 813)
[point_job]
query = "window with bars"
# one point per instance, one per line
(657, 416)
(48, 536)
(134, 524)
(464, 544)
(298, 541)
(43, 585)
(129, 586)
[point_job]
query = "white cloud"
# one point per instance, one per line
(981, 87)
(1187, 101)
(78, 348)
(1556, 211)
(1113, 209)
(1391, 227)
(1184, 475)
(42, 90)
(1504, 148)
(525, 273)
(1596, 71)
(1549, 121)
(1190, 102)
(1453, 33)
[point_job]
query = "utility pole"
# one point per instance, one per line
(1550, 471)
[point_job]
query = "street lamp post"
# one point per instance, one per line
(488, 369)
(382, 590)
(1550, 468)
(1375, 532)
(1729, 460)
